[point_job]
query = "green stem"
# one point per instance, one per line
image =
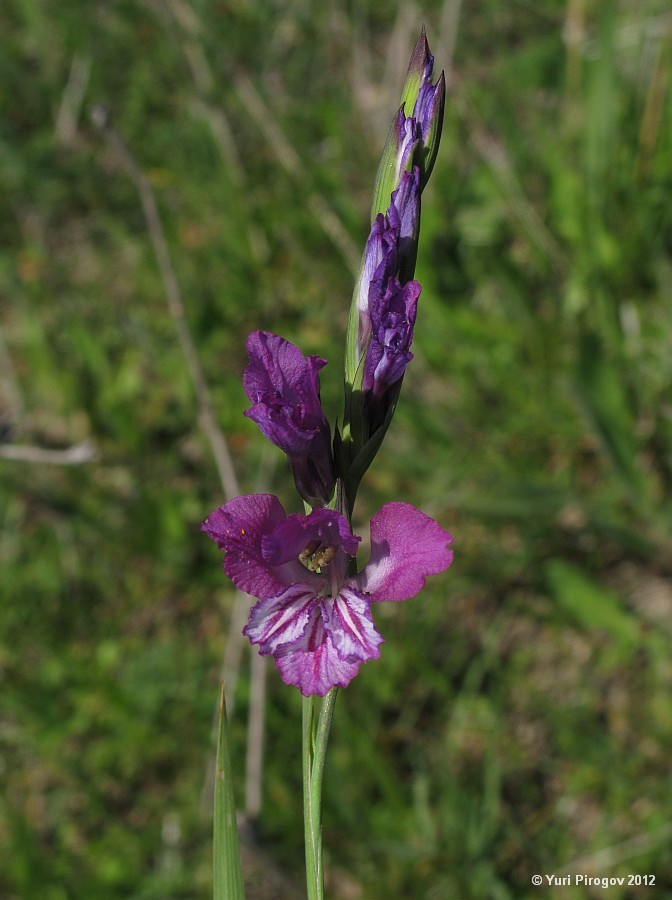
(315, 739)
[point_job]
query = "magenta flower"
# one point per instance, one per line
(284, 388)
(313, 616)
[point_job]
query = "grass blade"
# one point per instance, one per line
(228, 875)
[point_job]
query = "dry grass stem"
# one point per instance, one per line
(70, 456)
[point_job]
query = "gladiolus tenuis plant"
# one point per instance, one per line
(314, 609)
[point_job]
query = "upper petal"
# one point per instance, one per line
(238, 528)
(405, 211)
(406, 547)
(279, 425)
(278, 366)
(323, 527)
(284, 388)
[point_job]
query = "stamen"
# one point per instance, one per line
(316, 556)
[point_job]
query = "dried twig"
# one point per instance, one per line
(448, 28)
(220, 449)
(71, 102)
(618, 854)
(254, 760)
(70, 456)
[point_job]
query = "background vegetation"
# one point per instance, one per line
(520, 718)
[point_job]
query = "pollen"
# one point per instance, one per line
(316, 556)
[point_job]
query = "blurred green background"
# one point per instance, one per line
(519, 720)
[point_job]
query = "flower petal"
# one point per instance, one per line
(284, 388)
(312, 663)
(404, 212)
(378, 266)
(406, 547)
(349, 623)
(238, 528)
(281, 620)
(408, 138)
(389, 352)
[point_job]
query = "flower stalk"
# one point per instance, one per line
(315, 739)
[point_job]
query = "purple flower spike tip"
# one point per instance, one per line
(311, 616)
(284, 387)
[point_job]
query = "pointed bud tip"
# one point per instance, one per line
(421, 61)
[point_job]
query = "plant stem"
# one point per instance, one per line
(315, 739)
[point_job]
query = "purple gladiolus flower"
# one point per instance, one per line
(284, 388)
(312, 616)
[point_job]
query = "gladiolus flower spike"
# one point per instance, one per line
(313, 613)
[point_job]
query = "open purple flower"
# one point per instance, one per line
(312, 616)
(284, 388)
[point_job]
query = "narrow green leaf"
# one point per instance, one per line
(591, 605)
(603, 393)
(228, 875)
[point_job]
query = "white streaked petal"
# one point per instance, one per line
(316, 670)
(349, 623)
(281, 620)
